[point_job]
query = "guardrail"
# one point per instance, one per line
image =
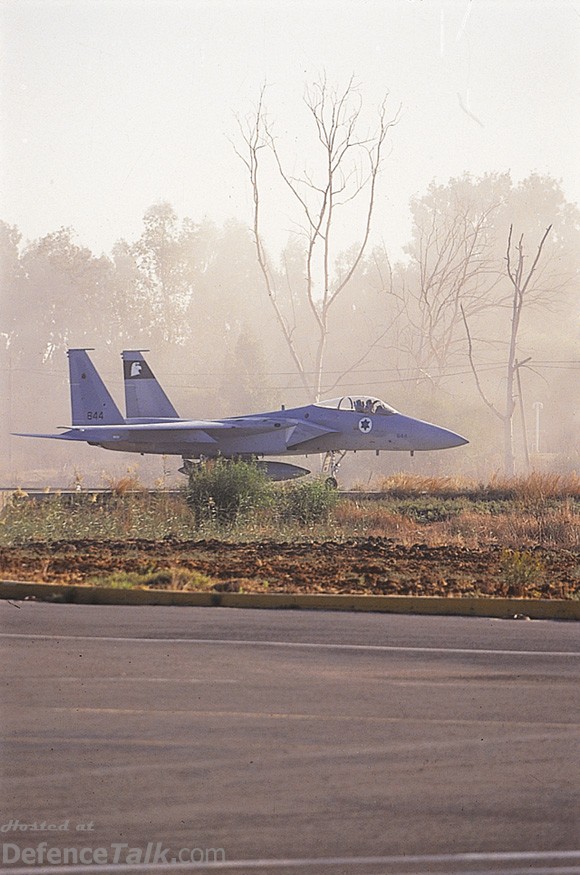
(37, 493)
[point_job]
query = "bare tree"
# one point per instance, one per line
(350, 163)
(521, 281)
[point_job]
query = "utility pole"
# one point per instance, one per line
(9, 417)
(522, 414)
(538, 406)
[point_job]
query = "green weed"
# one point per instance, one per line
(167, 578)
(520, 570)
(308, 502)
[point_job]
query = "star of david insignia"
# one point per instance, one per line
(365, 425)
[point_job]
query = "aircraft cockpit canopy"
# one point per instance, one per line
(360, 404)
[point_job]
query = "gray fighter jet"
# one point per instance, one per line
(152, 425)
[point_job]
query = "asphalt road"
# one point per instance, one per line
(303, 742)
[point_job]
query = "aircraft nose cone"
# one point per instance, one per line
(415, 434)
(427, 436)
(445, 439)
(458, 440)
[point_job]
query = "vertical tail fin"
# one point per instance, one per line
(91, 402)
(144, 397)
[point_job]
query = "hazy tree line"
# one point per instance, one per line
(234, 327)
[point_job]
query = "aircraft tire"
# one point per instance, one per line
(331, 483)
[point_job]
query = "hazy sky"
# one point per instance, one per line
(108, 107)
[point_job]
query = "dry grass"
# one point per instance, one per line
(536, 486)
(556, 527)
(374, 519)
(128, 483)
(416, 484)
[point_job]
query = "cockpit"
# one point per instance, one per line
(359, 404)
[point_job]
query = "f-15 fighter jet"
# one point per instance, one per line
(152, 425)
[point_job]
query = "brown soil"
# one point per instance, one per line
(364, 565)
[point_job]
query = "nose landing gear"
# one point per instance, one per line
(330, 466)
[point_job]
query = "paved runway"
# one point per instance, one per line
(303, 742)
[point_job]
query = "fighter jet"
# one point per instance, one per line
(152, 425)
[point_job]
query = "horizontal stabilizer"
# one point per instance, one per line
(67, 436)
(100, 434)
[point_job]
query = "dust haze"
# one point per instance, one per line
(286, 202)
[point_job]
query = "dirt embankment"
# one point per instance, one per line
(365, 565)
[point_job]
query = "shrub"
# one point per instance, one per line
(308, 502)
(227, 491)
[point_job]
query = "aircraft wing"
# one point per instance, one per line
(201, 431)
(297, 431)
(209, 432)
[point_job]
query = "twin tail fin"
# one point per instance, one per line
(144, 397)
(91, 401)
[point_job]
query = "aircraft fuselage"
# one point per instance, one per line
(152, 425)
(285, 433)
